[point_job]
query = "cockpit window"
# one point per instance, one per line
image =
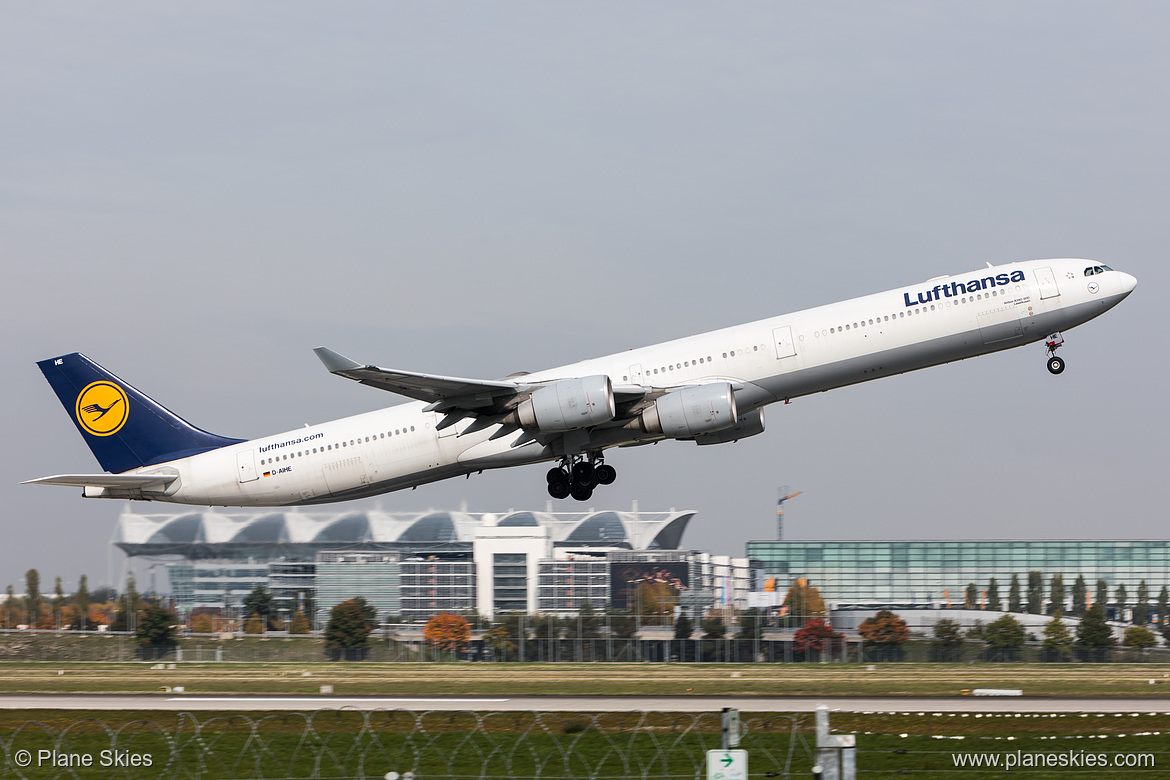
(1097, 269)
(1104, 268)
(1090, 271)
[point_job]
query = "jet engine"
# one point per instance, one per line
(691, 411)
(749, 425)
(568, 405)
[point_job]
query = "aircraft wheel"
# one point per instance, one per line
(556, 475)
(605, 474)
(1055, 365)
(559, 489)
(584, 474)
(581, 492)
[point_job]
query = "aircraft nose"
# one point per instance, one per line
(1128, 282)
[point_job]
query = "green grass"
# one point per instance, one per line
(350, 744)
(515, 679)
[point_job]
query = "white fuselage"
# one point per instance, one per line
(766, 361)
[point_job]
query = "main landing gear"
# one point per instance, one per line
(577, 476)
(1053, 342)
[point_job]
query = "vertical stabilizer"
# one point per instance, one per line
(123, 427)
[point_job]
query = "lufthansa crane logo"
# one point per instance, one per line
(102, 408)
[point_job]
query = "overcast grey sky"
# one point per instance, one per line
(195, 195)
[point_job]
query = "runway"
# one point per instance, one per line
(193, 703)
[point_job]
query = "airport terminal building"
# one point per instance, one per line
(415, 565)
(935, 574)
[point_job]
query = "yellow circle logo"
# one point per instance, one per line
(102, 408)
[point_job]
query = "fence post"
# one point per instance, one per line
(836, 753)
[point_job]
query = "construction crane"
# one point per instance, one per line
(784, 496)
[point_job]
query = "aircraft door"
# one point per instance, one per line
(636, 373)
(1047, 283)
(785, 346)
(247, 465)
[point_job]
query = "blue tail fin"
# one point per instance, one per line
(124, 428)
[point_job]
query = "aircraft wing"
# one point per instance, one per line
(444, 392)
(133, 481)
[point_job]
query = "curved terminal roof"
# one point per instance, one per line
(300, 534)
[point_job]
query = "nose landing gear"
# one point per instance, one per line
(1053, 342)
(577, 476)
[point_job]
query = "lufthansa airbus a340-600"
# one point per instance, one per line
(708, 389)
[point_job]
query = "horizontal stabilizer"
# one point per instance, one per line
(154, 482)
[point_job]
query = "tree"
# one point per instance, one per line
(948, 635)
(588, 624)
(127, 607)
(1005, 633)
(1102, 596)
(1093, 632)
(348, 630)
(1139, 638)
(11, 608)
(255, 624)
(1141, 610)
(803, 600)
(1014, 604)
(621, 623)
(751, 624)
(1122, 599)
(32, 596)
(971, 596)
(815, 636)
(300, 624)
(157, 628)
(1079, 593)
(1163, 605)
(885, 629)
(684, 627)
(260, 602)
(1035, 592)
(447, 633)
(58, 602)
(713, 628)
(1056, 593)
(993, 600)
(1057, 638)
(201, 624)
(81, 601)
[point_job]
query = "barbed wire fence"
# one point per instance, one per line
(328, 744)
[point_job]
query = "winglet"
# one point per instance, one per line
(334, 362)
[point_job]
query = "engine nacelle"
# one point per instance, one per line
(692, 411)
(568, 405)
(749, 425)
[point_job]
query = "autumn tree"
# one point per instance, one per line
(816, 635)
(255, 624)
(201, 624)
(447, 633)
(803, 600)
(300, 624)
(885, 629)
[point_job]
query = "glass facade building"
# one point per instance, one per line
(433, 586)
(928, 573)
